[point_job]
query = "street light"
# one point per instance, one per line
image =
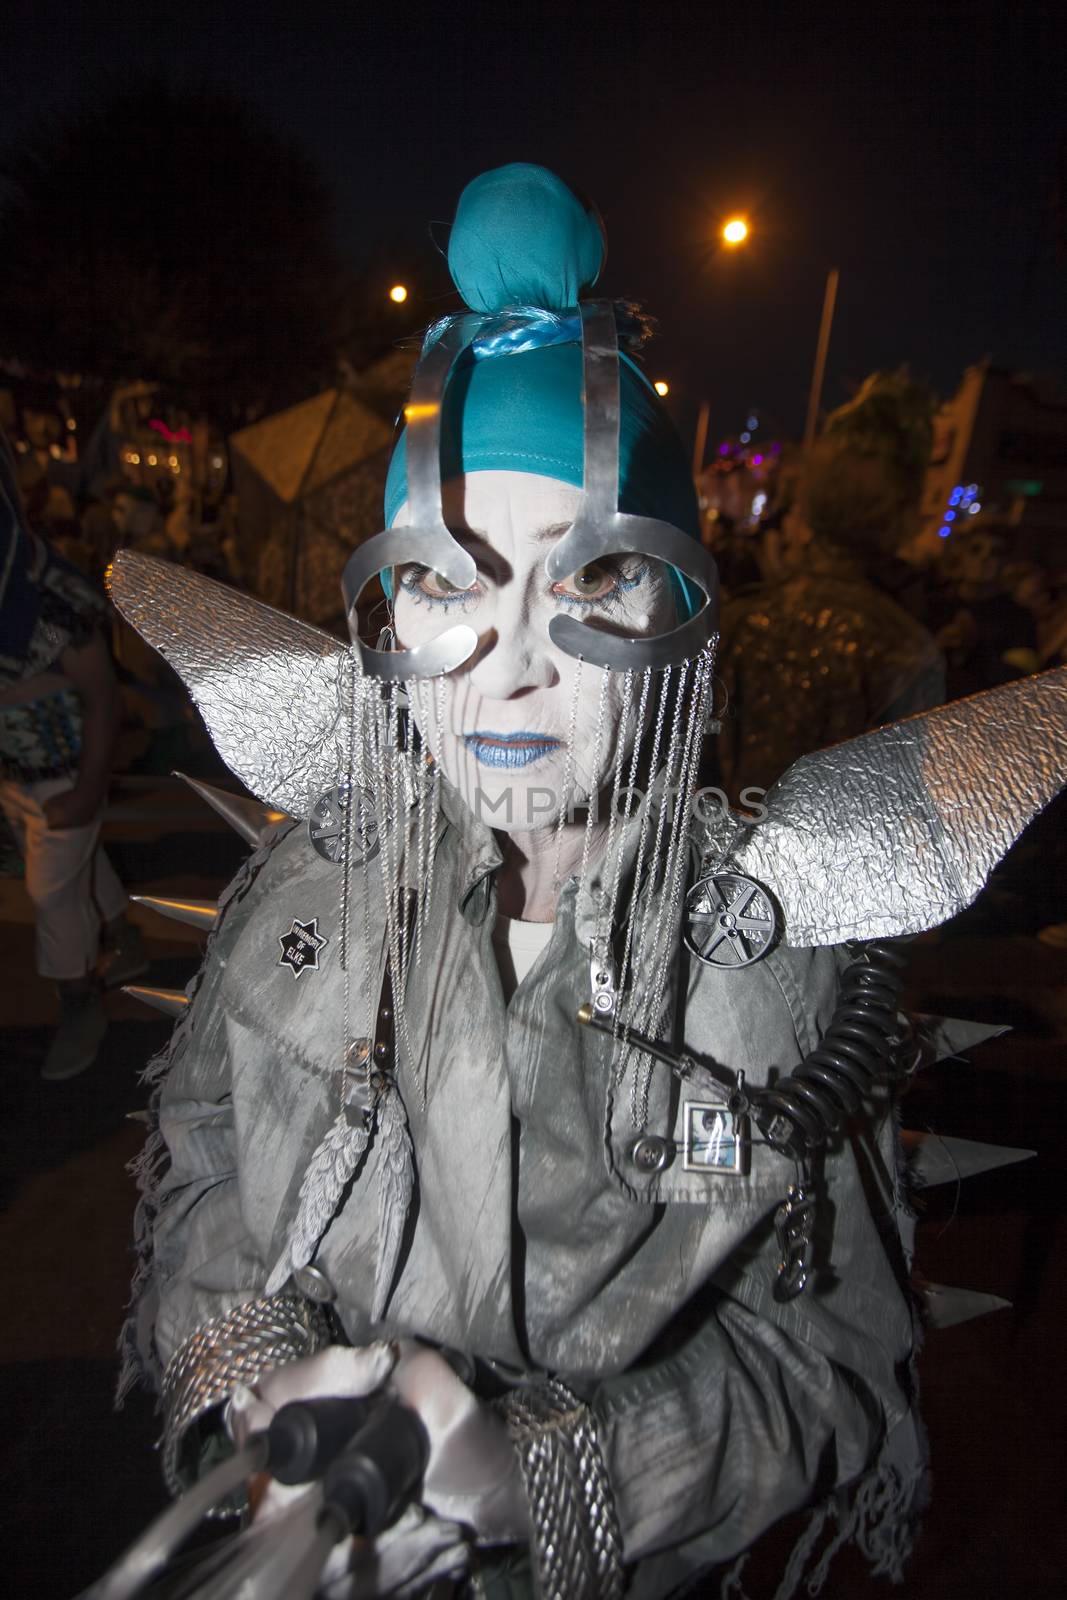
(735, 231)
(398, 294)
(662, 388)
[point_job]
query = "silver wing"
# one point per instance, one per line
(275, 693)
(898, 830)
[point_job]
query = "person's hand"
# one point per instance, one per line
(333, 1372)
(473, 1474)
(75, 808)
(419, 1548)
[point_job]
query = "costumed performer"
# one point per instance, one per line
(514, 1081)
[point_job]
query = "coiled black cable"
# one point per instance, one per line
(802, 1111)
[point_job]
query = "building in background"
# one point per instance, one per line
(1001, 443)
(310, 483)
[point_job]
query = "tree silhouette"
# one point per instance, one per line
(861, 484)
(890, 418)
(171, 234)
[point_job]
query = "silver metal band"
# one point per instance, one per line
(426, 539)
(600, 529)
(236, 1348)
(576, 1542)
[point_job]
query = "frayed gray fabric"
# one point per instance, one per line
(731, 1588)
(879, 1514)
(801, 1553)
(138, 1360)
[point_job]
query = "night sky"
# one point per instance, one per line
(914, 147)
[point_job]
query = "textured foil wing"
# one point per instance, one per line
(271, 690)
(896, 831)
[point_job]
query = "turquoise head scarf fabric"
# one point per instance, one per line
(523, 413)
(523, 240)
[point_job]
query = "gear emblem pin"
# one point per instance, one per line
(730, 920)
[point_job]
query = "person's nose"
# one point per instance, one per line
(513, 656)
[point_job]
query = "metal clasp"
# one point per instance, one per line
(603, 995)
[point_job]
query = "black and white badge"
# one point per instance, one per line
(716, 1140)
(301, 946)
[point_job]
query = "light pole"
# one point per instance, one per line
(700, 443)
(820, 358)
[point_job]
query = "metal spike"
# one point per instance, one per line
(933, 1158)
(941, 1038)
(170, 1001)
(945, 1307)
(252, 820)
(197, 913)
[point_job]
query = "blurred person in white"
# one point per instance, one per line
(58, 717)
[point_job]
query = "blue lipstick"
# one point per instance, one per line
(511, 750)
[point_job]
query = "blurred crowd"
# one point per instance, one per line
(839, 615)
(163, 501)
(142, 485)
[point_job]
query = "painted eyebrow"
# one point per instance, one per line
(476, 540)
(552, 530)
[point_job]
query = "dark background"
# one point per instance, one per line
(921, 149)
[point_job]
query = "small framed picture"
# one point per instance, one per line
(715, 1140)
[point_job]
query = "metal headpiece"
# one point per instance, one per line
(599, 530)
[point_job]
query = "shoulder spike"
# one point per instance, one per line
(170, 1001)
(946, 1307)
(942, 1038)
(197, 913)
(933, 1158)
(252, 820)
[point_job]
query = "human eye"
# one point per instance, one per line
(428, 587)
(601, 583)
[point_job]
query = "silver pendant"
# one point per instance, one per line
(329, 820)
(730, 920)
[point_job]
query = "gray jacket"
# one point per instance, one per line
(534, 1241)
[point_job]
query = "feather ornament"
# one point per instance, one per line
(328, 1174)
(395, 1184)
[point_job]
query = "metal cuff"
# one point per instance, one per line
(576, 1540)
(236, 1348)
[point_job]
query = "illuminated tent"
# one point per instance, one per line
(309, 486)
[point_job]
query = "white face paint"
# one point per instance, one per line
(507, 712)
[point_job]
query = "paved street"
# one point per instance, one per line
(81, 1480)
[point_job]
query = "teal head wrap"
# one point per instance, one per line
(522, 249)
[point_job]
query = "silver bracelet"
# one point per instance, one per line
(577, 1545)
(236, 1348)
